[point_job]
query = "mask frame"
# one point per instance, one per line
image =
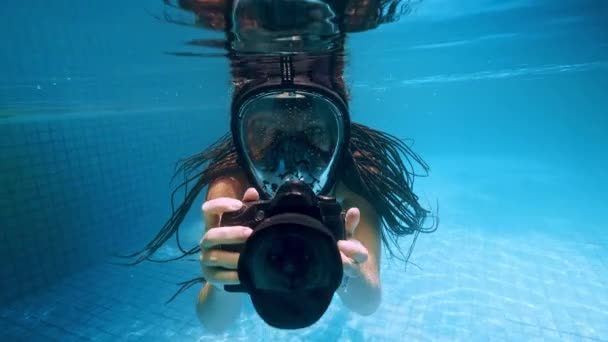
(286, 83)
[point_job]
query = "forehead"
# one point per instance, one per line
(294, 109)
(291, 119)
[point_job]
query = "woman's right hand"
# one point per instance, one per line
(220, 266)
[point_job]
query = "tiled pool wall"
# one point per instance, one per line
(75, 188)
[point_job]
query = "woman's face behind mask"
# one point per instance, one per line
(290, 136)
(269, 128)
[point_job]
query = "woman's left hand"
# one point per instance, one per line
(352, 251)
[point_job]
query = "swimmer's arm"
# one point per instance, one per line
(363, 294)
(215, 308)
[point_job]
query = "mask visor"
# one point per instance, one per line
(290, 135)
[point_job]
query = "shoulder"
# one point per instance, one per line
(368, 230)
(350, 199)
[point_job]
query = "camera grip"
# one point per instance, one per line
(234, 218)
(241, 217)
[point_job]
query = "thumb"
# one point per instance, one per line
(251, 195)
(351, 221)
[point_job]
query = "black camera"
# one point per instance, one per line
(290, 265)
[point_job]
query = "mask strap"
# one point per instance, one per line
(287, 70)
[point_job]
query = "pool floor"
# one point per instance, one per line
(467, 286)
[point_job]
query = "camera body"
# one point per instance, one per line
(317, 222)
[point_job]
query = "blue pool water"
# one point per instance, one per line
(505, 100)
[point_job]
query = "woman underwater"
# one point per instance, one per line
(290, 122)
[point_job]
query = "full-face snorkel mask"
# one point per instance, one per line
(290, 131)
(290, 138)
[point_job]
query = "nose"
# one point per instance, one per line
(289, 269)
(290, 151)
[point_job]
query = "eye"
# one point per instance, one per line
(262, 127)
(315, 132)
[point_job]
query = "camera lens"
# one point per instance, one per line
(290, 261)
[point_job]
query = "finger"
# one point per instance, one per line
(351, 221)
(354, 250)
(220, 258)
(220, 205)
(251, 195)
(213, 209)
(351, 269)
(219, 276)
(225, 236)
